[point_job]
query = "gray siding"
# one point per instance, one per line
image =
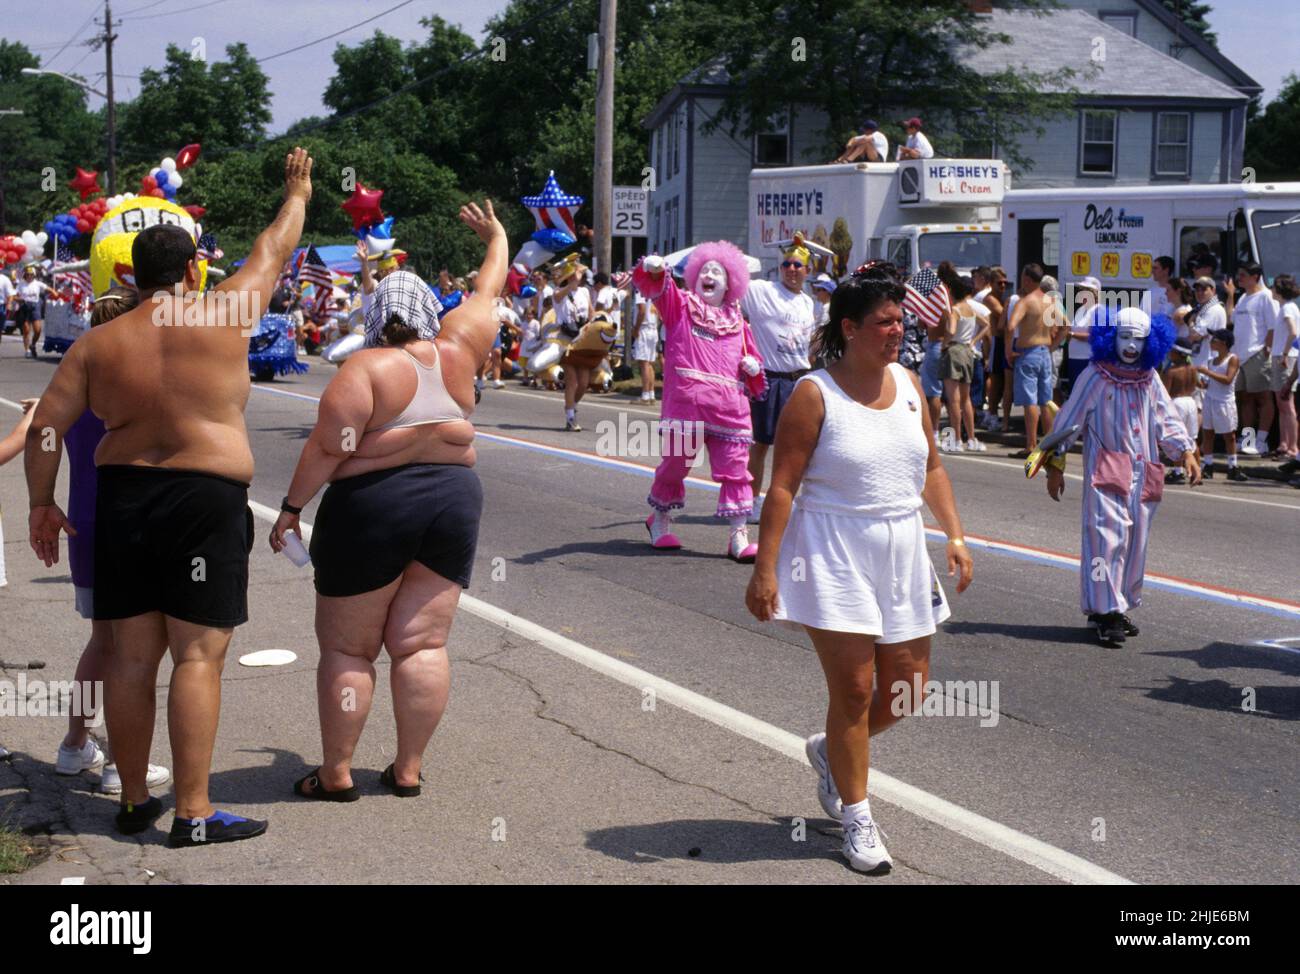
(1154, 34)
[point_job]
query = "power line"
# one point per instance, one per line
(271, 57)
(147, 6)
(173, 13)
(80, 30)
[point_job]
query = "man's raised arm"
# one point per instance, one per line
(276, 243)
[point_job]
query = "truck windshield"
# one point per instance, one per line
(965, 250)
(1277, 232)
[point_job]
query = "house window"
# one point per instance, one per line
(1173, 144)
(657, 232)
(1121, 20)
(1097, 143)
(659, 154)
(677, 211)
(677, 143)
(772, 143)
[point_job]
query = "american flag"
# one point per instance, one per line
(312, 268)
(927, 297)
(208, 249)
(77, 279)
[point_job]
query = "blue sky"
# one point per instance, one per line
(1252, 33)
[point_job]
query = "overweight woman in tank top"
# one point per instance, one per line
(394, 537)
(849, 562)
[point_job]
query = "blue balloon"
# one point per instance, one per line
(449, 301)
(553, 240)
(382, 230)
(527, 291)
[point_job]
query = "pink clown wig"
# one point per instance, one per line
(732, 260)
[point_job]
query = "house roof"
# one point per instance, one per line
(1043, 43)
(1057, 39)
(1244, 82)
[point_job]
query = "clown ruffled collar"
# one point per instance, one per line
(723, 321)
(1121, 375)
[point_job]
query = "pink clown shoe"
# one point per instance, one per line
(741, 549)
(666, 541)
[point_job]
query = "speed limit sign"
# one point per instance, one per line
(631, 212)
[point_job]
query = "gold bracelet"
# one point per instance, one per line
(959, 542)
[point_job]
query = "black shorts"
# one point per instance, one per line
(172, 541)
(369, 528)
(765, 412)
(25, 312)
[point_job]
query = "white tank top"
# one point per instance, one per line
(1219, 392)
(867, 462)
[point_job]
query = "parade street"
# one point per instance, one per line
(618, 716)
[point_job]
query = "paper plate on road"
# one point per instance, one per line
(268, 657)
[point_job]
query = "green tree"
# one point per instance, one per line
(1193, 15)
(54, 133)
(1273, 134)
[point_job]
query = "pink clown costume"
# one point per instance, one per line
(1125, 417)
(711, 367)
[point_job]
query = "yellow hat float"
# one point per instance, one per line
(110, 248)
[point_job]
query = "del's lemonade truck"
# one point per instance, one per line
(1115, 233)
(915, 213)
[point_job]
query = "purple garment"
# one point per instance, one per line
(81, 440)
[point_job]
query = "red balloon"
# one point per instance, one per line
(194, 210)
(83, 225)
(148, 183)
(363, 206)
(185, 158)
(86, 182)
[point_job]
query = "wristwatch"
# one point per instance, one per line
(287, 508)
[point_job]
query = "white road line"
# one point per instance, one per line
(994, 835)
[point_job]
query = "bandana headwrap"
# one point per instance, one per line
(405, 294)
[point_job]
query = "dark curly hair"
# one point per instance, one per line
(397, 332)
(855, 299)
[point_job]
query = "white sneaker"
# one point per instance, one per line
(74, 760)
(863, 848)
(815, 748)
(498, 384)
(955, 448)
(975, 446)
(110, 783)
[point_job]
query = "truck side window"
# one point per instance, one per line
(900, 253)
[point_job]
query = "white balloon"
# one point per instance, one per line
(169, 164)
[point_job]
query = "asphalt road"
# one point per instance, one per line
(649, 730)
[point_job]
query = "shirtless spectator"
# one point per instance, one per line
(870, 146)
(1029, 341)
(173, 524)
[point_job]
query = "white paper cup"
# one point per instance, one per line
(293, 547)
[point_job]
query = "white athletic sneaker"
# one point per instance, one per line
(863, 848)
(74, 760)
(498, 384)
(815, 748)
(975, 446)
(110, 783)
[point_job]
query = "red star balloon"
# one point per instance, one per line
(185, 158)
(86, 183)
(193, 209)
(363, 206)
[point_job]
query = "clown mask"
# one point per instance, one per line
(1131, 335)
(711, 285)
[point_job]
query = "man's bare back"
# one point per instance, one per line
(1181, 380)
(1033, 321)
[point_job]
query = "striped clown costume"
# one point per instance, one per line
(711, 368)
(1126, 418)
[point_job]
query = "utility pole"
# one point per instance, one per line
(109, 37)
(602, 203)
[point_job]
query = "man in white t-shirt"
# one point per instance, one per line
(1254, 316)
(1286, 329)
(870, 146)
(782, 316)
(918, 146)
(28, 308)
(7, 291)
(1087, 294)
(1155, 299)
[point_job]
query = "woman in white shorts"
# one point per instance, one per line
(645, 345)
(849, 563)
(1219, 412)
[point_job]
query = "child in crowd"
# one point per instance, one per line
(1220, 410)
(1181, 380)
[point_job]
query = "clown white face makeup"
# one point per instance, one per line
(711, 285)
(1131, 341)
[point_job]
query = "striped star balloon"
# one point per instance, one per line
(553, 208)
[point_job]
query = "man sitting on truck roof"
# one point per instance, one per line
(870, 146)
(918, 146)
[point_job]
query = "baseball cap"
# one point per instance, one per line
(825, 283)
(1222, 335)
(913, 121)
(870, 124)
(1182, 349)
(1089, 282)
(1204, 281)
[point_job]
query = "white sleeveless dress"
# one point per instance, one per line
(853, 558)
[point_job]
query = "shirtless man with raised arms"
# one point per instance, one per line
(170, 381)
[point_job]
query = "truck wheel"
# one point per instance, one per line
(263, 373)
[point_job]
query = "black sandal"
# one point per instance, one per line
(389, 780)
(320, 793)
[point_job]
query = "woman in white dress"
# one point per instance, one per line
(849, 564)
